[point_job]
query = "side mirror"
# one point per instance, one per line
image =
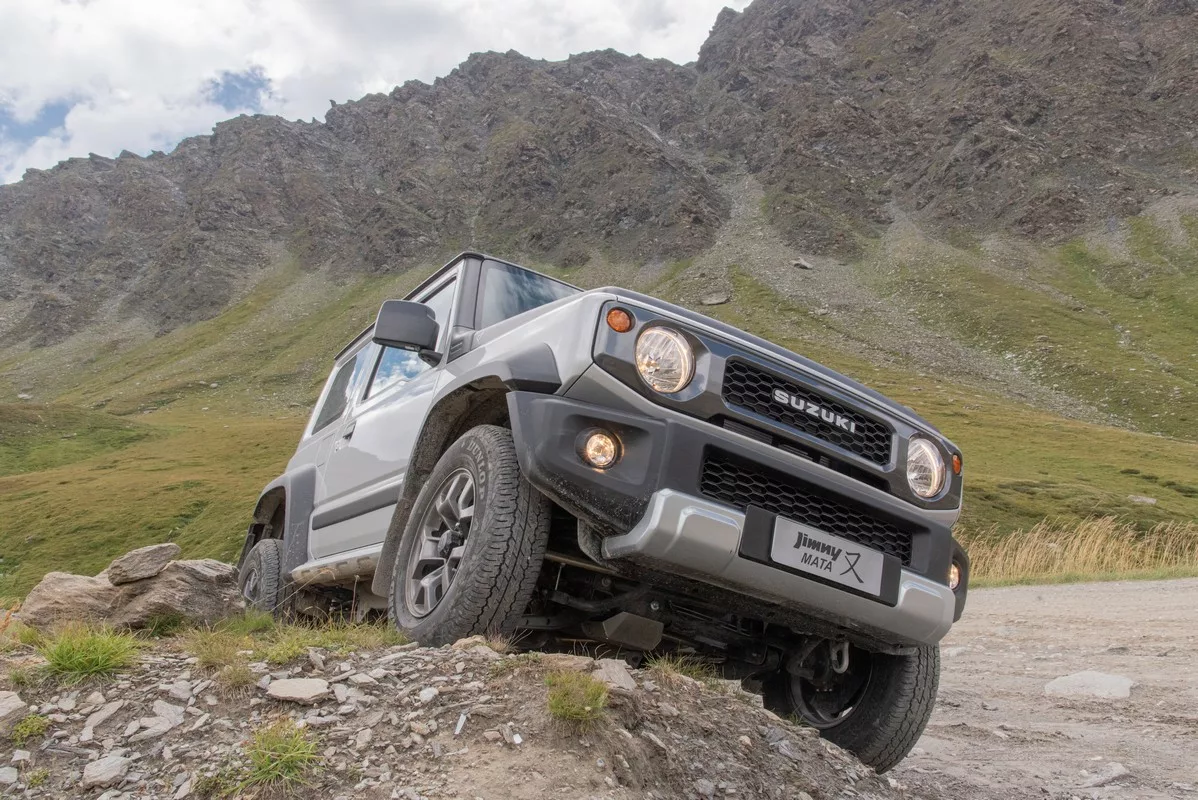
(408, 326)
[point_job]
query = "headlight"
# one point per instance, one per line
(664, 359)
(925, 468)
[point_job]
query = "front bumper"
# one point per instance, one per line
(657, 514)
(700, 538)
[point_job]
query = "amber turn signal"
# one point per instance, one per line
(956, 464)
(619, 320)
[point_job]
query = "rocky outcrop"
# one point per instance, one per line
(1039, 118)
(135, 591)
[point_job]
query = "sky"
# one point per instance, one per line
(102, 76)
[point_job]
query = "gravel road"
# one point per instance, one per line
(996, 734)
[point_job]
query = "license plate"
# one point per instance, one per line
(830, 557)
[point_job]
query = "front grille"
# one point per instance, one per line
(751, 388)
(742, 483)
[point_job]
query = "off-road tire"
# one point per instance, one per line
(265, 561)
(891, 715)
(503, 550)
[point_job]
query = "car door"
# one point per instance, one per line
(320, 436)
(370, 456)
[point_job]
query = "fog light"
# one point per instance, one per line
(954, 576)
(599, 449)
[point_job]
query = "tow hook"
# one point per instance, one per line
(839, 653)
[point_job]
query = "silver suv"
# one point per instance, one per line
(504, 452)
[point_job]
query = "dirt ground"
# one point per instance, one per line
(996, 734)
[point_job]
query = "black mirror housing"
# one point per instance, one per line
(408, 326)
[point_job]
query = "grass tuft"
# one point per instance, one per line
(20, 677)
(37, 777)
(667, 668)
(280, 755)
(32, 727)
(77, 652)
(576, 698)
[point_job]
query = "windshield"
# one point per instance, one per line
(508, 291)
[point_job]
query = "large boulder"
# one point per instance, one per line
(63, 597)
(142, 563)
(202, 591)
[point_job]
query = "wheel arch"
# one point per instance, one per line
(293, 491)
(481, 400)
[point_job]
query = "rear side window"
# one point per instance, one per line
(337, 398)
(508, 291)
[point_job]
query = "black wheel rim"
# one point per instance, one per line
(249, 586)
(440, 544)
(833, 699)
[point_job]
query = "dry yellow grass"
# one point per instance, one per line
(1091, 550)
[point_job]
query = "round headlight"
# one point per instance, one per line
(664, 359)
(925, 468)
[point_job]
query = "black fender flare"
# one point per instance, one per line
(296, 489)
(461, 404)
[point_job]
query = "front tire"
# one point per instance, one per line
(882, 718)
(473, 545)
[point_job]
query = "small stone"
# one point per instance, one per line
(20, 755)
(1142, 500)
(715, 299)
(1090, 684)
(363, 738)
(8, 776)
(657, 742)
(68, 702)
(705, 787)
(428, 695)
(340, 692)
(132, 728)
(745, 741)
(98, 717)
(801, 263)
(315, 658)
(567, 661)
(105, 771)
(180, 690)
(1109, 774)
(299, 690)
(989, 707)
(470, 642)
(361, 679)
(492, 735)
(94, 699)
(12, 711)
(615, 674)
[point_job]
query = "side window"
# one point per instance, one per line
(397, 366)
(337, 399)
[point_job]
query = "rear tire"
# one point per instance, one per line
(886, 718)
(490, 548)
(260, 578)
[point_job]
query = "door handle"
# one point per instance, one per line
(349, 432)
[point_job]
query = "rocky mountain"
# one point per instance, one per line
(1031, 118)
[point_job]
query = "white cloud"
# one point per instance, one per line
(140, 74)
